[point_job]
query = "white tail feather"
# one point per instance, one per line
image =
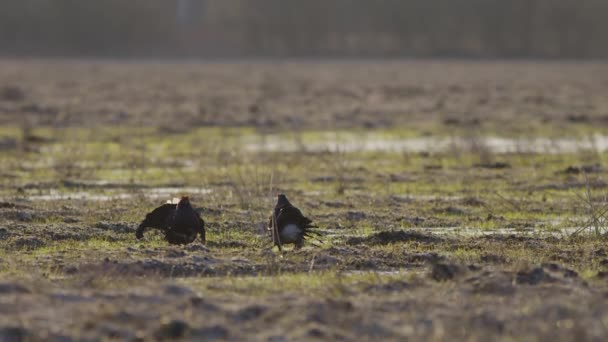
(175, 200)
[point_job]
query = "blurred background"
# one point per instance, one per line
(311, 28)
(412, 63)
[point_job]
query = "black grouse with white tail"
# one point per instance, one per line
(288, 225)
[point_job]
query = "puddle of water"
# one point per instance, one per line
(55, 195)
(471, 232)
(153, 193)
(412, 197)
(275, 143)
(385, 273)
(165, 191)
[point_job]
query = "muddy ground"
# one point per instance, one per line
(514, 97)
(466, 242)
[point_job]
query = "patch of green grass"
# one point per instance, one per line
(327, 284)
(392, 190)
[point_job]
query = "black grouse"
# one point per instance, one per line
(288, 225)
(179, 222)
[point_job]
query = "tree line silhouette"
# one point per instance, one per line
(311, 28)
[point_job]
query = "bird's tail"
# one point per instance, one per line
(311, 234)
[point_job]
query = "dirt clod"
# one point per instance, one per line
(216, 332)
(443, 272)
(176, 290)
(387, 237)
(250, 313)
(173, 329)
(26, 242)
(116, 227)
(13, 334)
(532, 277)
(575, 170)
(8, 288)
(12, 93)
(355, 215)
(493, 165)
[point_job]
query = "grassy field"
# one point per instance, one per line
(442, 217)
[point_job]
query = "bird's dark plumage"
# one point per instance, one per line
(179, 222)
(288, 225)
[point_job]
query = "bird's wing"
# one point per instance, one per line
(159, 217)
(292, 214)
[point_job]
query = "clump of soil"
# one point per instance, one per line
(575, 170)
(116, 227)
(494, 165)
(11, 288)
(443, 272)
(26, 242)
(173, 330)
(12, 93)
(12, 205)
(532, 277)
(13, 333)
(387, 237)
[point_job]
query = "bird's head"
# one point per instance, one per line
(184, 202)
(282, 200)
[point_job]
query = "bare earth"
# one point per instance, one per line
(513, 96)
(463, 242)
